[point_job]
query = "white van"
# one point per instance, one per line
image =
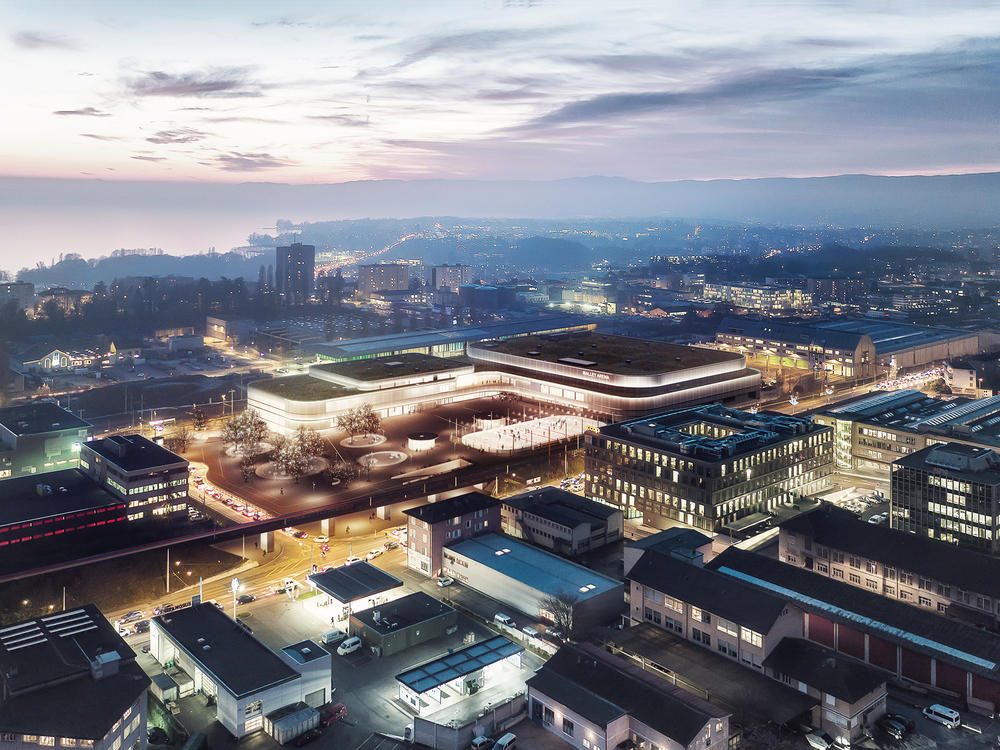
(504, 619)
(529, 631)
(349, 646)
(943, 715)
(507, 742)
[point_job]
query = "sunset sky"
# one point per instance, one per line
(306, 92)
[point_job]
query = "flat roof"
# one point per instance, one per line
(541, 570)
(618, 355)
(390, 366)
(533, 501)
(444, 669)
(300, 388)
(984, 467)
(39, 417)
(232, 656)
(133, 452)
(452, 507)
(349, 583)
(401, 613)
(21, 501)
(305, 651)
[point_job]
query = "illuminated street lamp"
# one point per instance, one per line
(235, 586)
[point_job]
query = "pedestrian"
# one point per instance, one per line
(281, 491)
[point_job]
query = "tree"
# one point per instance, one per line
(199, 418)
(349, 423)
(310, 443)
(368, 419)
(246, 468)
(560, 606)
(245, 432)
(938, 386)
(181, 438)
(289, 458)
(342, 472)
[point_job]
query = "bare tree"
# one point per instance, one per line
(560, 606)
(369, 420)
(310, 442)
(181, 438)
(245, 432)
(349, 423)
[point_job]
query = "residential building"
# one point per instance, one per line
(295, 272)
(450, 277)
(151, 479)
(21, 293)
(560, 521)
(977, 377)
(219, 657)
(770, 299)
(523, 577)
(949, 492)
(383, 277)
(706, 466)
(595, 701)
(39, 437)
(432, 527)
(67, 300)
(69, 680)
(679, 542)
(836, 289)
(912, 568)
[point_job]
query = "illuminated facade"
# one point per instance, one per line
(294, 272)
(771, 299)
(39, 438)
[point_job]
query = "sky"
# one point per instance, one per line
(311, 92)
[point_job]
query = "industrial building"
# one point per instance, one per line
(69, 680)
(708, 466)
(609, 377)
(402, 623)
(204, 650)
(560, 521)
(949, 492)
(522, 576)
(593, 700)
(39, 437)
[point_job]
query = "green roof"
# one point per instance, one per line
(619, 355)
(390, 366)
(301, 388)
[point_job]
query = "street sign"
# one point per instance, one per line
(534, 480)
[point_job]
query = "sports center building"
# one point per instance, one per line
(602, 376)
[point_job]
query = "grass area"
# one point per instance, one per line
(300, 388)
(111, 585)
(619, 355)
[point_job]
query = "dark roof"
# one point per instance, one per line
(842, 530)
(708, 590)
(402, 613)
(39, 417)
(824, 669)
(668, 540)
(133, 452)
(943, 638)
(602, 688)
(236, 660)
(459, 505)
(536, 501)
(22, 501)
(305, 651)
(57, 650)
(945, 459)
(444, 669)
(349, 583)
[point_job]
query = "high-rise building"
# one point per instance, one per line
(383, 277)
(21, 292)
(295, 271)
(949, 492)
(450, 277)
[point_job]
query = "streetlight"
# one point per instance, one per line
(235, 586)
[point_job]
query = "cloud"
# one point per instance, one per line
(180, 135)
(41, 40)
(241, 118)
(508, 95)
(83, 112)
(350, 121)
(149, 158)
(786, 83)
(217, 82)
(98, 137)
(240, 162)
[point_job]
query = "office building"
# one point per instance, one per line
(448, 277)
(295, 272)
(560, 521)
(773, 300)
(383, 277)
(912, 568)
(522, 577)
(151, 479)
(949, 492)
(593, 700)
(709, 467)
(433, 526)
(38, 438)
(69, 680)
(213, 654)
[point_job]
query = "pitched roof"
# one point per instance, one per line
(824, 669)
(603, 688)
(451, 507)
(947, 563)
(708, 589)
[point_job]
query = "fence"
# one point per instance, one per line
(491, 720)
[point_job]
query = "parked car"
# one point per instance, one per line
(905, 721)
(331, 637)
(556, 636)
(349, 646)
(130, 617)
(300, 535)
(391, 546)
(246, 598)
(308, 736)
(373, 554)
(507, 742)
(141, 627)
(322, 539)
(351, 560)
(504, 619)
(445, 581)
(948, 717)
(529, 631)
(819, 740)
(163, 609)
(892, 728)
(481, 743)
(332, 714)
(158, 736)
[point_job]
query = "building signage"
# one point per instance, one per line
(597, 375)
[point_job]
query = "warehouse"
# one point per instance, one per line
(408, 621)
(522, 576)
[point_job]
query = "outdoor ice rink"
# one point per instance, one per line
(531, 434)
